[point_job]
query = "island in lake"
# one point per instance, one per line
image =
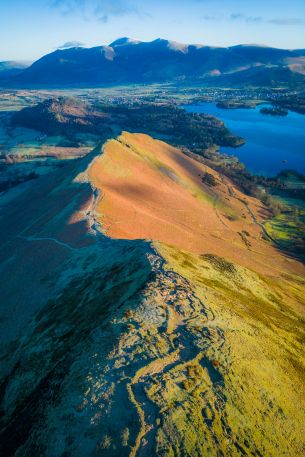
(274, 111)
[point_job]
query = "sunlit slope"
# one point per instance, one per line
(226, 318)
(150, 190)
(242, 393)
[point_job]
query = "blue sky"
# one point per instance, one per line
(32, 28)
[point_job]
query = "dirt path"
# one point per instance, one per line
(179, 297)
(47, 238)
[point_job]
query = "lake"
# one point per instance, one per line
(273, 143)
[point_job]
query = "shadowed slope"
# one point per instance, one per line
(45, 224)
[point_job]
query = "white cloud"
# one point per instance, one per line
(71, 44)
(288, 21)
(102, 10)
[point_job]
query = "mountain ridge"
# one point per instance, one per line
(134, 346)
(10, 68)
(131, 61)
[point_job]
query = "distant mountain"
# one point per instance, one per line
(261, 76)
(10, 68)
(130, 61)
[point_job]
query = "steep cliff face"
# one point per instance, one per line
(124, 337)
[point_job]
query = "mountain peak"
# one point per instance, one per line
(124, 40)
(251, 45)
(176, 46)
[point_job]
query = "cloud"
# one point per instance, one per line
(210, 18)
(243, 17)
(287, 21)
(237, 16)
(106, 8)
(101, 10)
(71, 44)
(276, 21)
(254, 19)
(234, 17)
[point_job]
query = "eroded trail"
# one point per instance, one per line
(188, 331)
(184, 331)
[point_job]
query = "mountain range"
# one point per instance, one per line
(130, 61)
(10, 68)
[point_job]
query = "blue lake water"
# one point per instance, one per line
(273, 143)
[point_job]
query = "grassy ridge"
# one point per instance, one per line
(261, 359)
(147, 349)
